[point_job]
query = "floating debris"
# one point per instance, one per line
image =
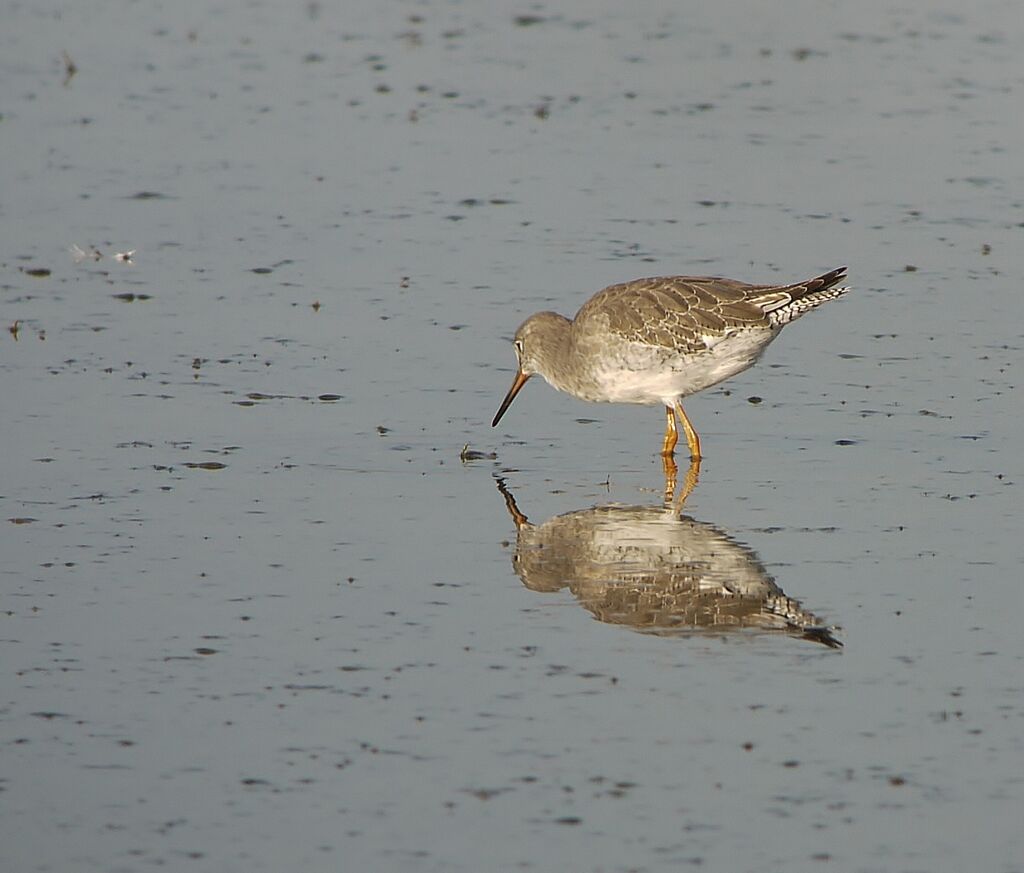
(468, 454)
(70, 68)
(78, 254)
(256, 395)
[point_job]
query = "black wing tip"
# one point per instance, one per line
(825, 280)
(821, 635)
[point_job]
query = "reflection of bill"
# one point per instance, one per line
(656, 571)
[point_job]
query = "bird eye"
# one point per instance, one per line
(519, 346)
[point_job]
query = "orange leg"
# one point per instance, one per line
(692, 440)
(669, 465)
(668, 447)
(689, 481)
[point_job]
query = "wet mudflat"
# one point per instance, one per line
(275, 596)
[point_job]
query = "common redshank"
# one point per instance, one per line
(662, 339)
(656, 571)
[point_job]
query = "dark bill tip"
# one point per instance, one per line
(517, 384)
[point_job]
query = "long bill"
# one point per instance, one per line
(517, 384)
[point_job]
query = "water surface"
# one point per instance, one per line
(256, 610)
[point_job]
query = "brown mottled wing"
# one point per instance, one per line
(675, 312)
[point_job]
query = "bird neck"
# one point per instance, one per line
(555, 351)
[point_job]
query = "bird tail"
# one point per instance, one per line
(798, 620)
(783, 304)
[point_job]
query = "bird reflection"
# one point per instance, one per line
(656, 571)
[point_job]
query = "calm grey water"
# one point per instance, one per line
(256, 613)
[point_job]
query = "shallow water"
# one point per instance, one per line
(261, 610)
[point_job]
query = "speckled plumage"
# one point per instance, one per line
(661, 339)
(648, 568)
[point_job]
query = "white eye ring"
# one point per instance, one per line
(519, 346)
